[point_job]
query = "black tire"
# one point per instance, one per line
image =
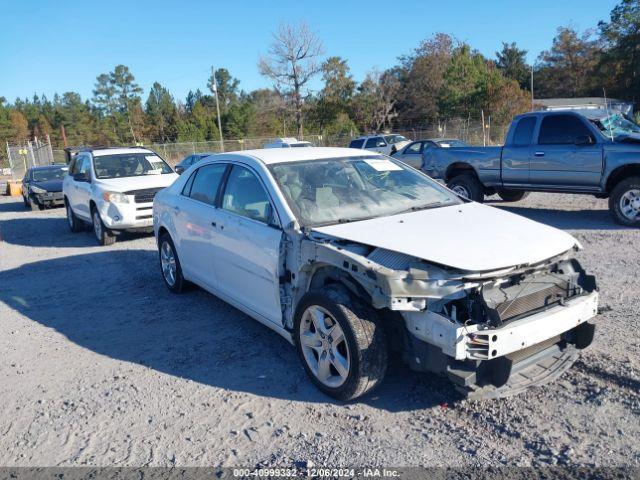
(35, 205)
(467, 185)
(179, 283)
(364, 338)
(26, 202)
(75, 225)
(103, 234)
(619, 196)
(512, 195)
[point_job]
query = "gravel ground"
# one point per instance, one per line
(102, 366)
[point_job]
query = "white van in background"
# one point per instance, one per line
(287, 142)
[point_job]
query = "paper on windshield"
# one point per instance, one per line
(383, 165)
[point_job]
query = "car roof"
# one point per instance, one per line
(270, 156)
(119, 151)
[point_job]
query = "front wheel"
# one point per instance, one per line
(468, 186)
(512, 195)
(102, 233)
(341, 345)
(624, 202)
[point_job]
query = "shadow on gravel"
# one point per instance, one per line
(115, 304)
(565, 219)
(37, 229)
(13, 206)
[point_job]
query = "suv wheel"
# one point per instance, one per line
(624, 202)
(468, 186)
(341, 345)
(74, 224)
(170, 264)
(512, 195)
(103, 234)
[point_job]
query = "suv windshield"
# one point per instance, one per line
(391, 139)
(47, 174)
(616, 124)
(338, 190)
(129, 165)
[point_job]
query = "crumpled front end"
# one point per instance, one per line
(492, 333)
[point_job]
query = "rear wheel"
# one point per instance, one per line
(170, 264)
(468, 186)
(512, 195)
(341, 345)
(624, 202)
(102, 233)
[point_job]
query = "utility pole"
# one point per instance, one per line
(531, 87)
(215, 91)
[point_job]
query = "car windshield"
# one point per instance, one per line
(616, 124)
(339, 190)
(451, 143)
(391, 139)
(47, 174)
(129, 165)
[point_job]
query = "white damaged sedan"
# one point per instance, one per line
(353, 257)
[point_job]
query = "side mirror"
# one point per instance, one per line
(179, 170)
(582, 140)
(80, 177)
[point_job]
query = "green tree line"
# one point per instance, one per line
(441, 79)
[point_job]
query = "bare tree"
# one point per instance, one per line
(293, 60)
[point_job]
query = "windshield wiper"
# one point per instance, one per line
(428, 206)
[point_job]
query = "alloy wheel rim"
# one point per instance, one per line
(168, 263)
(97, 227)
(460, 190)
(324, 346)
(630, 204)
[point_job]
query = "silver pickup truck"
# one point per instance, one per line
(593, 152)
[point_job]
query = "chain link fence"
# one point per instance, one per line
(30, 154)
(472, 132)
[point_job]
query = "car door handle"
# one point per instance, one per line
(539, 154)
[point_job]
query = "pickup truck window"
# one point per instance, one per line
(356, 143)
(375, 142)
(561, 130)
(524, 132)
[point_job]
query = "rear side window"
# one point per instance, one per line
(375, 142)
(356, 143)
(206, 182)
(524, 132)
(561, 130)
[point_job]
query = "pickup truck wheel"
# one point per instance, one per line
(512, 195)
(103, 234)
(624, 202)
(340, 342)
(468, 186)
(170, 264)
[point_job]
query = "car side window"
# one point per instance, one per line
(356, 143)
(524, 132)
(561, 130)
(414, 148)
(375, 142)
(205, 183)
(245, 195)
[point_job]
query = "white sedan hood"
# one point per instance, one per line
(470, 237)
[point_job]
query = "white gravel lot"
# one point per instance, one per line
(100, 365)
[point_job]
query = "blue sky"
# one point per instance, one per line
(57, 45)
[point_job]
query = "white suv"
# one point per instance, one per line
(113, 189)
(386, 144)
